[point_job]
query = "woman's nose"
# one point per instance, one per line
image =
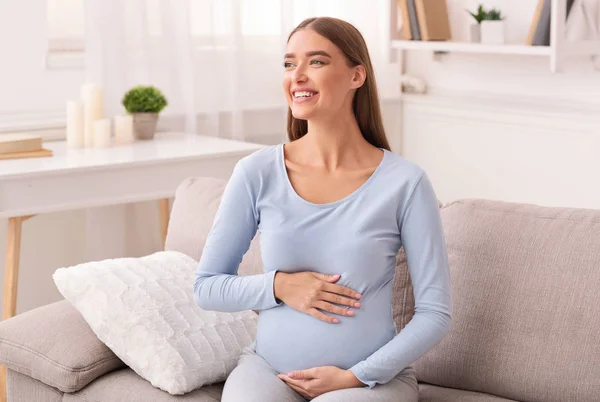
(299, 75)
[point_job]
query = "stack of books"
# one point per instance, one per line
(21, 145)
(424, 20)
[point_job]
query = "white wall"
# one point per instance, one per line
(28, 90)
(503, 126)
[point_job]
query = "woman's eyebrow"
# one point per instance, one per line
(308, 54)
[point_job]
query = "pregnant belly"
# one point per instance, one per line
(290, 340)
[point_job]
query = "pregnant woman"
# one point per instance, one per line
(333, 207)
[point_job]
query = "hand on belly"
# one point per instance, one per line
(310, 292)
(316, 381)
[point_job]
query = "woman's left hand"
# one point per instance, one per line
(316, 381)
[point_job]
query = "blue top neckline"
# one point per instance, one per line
(355, 193)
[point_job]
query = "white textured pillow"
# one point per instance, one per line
(143, 309)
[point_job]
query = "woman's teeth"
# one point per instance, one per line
(303, 94)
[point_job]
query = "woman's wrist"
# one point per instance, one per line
(353, 380)
(278, 285)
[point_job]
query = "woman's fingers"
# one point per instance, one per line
(341, 290)
(323, 317)
(299, 390)
(333, 309)
(327, 277)
(338, 299)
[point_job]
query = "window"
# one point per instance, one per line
(211, 22)
(65, 33)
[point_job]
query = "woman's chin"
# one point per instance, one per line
(302, 114)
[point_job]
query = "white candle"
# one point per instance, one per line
(101, 129)
(75, 130)
(124, 130)
(92, 110)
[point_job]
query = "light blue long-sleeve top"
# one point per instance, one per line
(357, 237)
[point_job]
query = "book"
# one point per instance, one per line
(433, 19)
(29, 154)
(19, 142)
(414, 23)
(534, 22)
(405, 15)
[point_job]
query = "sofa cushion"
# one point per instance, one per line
(143, 309)
(54, 344)
(22, 388)
(126, 386)
(525, 282)
(433, 393)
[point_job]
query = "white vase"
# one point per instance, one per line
(492, 32)
(475, 33)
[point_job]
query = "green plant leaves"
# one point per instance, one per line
(494, 15)
(144, 99)
(483, 14)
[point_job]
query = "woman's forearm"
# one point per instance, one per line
(222, 292)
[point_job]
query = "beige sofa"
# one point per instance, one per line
(526, 325)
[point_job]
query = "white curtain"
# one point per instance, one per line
(220, 65)
(219, 62)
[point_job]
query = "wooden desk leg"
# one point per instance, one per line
(2, 384)
(164, 211)
(11, 277)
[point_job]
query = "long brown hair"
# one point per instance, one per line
(365, 104)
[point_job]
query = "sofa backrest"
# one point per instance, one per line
(526, 302)
(192, 214)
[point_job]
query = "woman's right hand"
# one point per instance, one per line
(310, 292)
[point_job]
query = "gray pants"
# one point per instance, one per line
(255, 380)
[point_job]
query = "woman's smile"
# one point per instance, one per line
(303, 95)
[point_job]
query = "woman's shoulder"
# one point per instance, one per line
(407, 177)
(262, 163)
(402, 169)
(264, 157)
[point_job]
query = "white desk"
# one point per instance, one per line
(84, 178)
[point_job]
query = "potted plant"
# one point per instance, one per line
(144, 103)
(475, 29)
(492, 27)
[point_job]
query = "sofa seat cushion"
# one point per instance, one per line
(21, 388)
(53, 344)
(525, 282)
(126, 386)
(433, 393)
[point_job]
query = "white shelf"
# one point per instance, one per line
(465, 47)
(557, 53)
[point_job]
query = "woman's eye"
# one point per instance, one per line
(287, 64)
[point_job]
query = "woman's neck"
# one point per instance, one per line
(334, 142)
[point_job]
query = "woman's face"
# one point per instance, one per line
(318, 80)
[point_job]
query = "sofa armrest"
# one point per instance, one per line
(53, 344)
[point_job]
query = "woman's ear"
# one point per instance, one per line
(360, 75)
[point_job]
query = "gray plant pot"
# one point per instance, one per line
(144, 125)
(475, 33)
